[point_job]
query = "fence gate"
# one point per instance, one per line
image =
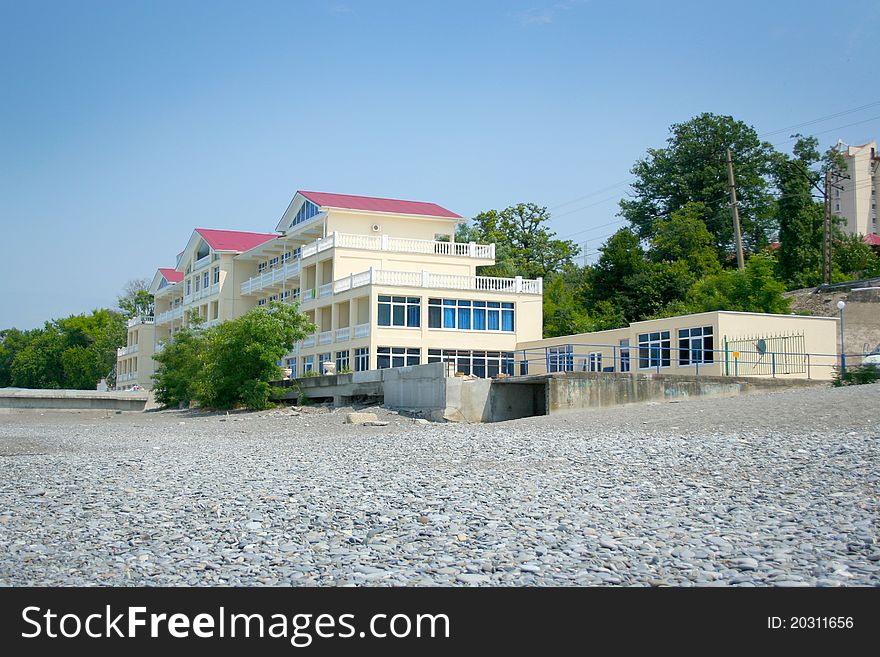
(765, 355)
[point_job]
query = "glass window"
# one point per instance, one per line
(397, 356)
(467, 315)
(399, 311)
(695, 345)
(361, 359)
(342, 360)
(560, 358)
(624, 356)
(308, 364)
(206, 281)
(216, 275)
(595, 361)
(654, 350)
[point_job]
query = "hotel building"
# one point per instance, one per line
(383, 280)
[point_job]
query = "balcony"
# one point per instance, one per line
(140, 319)
(202, 262)
(362, 331)
(368, 243)
(325, 290)
(204, 293)
(125, 351)
(169, 315)
(128, 376)
(272, 277)
(326, 337)
(342, 334)
(308, 342)
(425, 279)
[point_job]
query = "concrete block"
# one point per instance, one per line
(360, 418)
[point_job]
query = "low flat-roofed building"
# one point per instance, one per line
(717, 343)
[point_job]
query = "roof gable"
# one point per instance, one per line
(233, 240)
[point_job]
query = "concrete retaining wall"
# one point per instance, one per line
(23, 399)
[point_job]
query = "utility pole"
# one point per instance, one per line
(737, 233)
(827, 236)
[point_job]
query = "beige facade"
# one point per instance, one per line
(857, 200)
(381, 288)
(719, 343)
(134, 361)
(385, 284)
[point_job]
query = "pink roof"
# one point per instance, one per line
(373, 204)
(171, 275)
(233, 240)
(872, 239)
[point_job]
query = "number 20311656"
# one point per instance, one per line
(810, 623)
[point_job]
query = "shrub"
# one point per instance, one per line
(856, 375)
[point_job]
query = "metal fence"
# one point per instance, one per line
(763, 355)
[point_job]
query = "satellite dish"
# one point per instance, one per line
(761, 346)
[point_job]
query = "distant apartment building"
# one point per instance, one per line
(857, 200)
(383, 280)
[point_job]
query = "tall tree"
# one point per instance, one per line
(692, 168)
(136, 298)
(525, 246)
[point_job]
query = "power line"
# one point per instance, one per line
(821, 119)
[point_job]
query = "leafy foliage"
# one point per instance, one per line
(136, 298)
(753, 289)
(524, 245)
(230, 364)
(75, 352)
(692, 169)
(856, 375)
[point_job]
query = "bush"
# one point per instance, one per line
(233, 363)
(856, 375)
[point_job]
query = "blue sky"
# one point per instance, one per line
(124, 125)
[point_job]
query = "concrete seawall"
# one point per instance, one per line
(427, 390)
(28, 399)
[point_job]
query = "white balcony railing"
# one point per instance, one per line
(128, 376)
(361, 330)
(169, 315)
(325, 290)
(369, 243)
(517, 285)
(140, 319)
(342, 334)
(187, 299)
(271, 277)
(159, 347)
(308, 342)
(202, 262)
(326, 337)
(308, 295)
(125, 351)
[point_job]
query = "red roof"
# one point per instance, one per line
(233, 240)
(373, 204)
(171, 275)
(872, 239)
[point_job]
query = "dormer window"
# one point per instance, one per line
(306, 212)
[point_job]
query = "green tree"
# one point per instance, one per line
(524, 245)
(241, 356)
(564, 312)
(179, 366)
(692, 168)
(854, 258)
(136, 298)
(684, 238)
(753, 289)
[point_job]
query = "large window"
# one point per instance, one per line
(560, 359)
(465, 315)
(342, 362)
(206, 281)
(595, 361)
(695, 345)
(308, 364)
(361, 359)
(216, 275)
(397, 356)
(400, 311)
(291, 363)
(484, 364)
(654, 349)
